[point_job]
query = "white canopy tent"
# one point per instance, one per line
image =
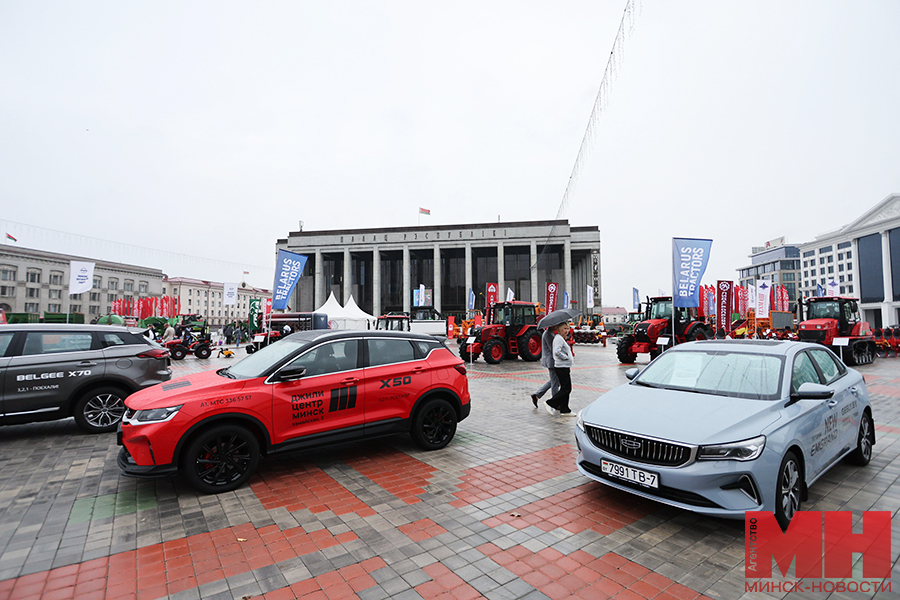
(355, 312)
(342, 318)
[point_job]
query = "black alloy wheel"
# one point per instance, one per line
(788, 489)
(434, 425)
(221, 459)
(864, 441)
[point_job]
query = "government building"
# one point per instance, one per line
(400, 268)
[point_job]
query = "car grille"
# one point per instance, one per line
(639, 449)
(813, 335)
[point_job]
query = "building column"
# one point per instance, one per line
(318, 282)
(886, 305)
(533, 259)
(437, 278)
(346, 286)
(567, 270)
(501, 266)
(376, 281)
(469, 271)
(407, 299)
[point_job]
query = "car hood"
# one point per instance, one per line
(681, 416)
(197, 386)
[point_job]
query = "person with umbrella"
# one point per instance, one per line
(558, 360)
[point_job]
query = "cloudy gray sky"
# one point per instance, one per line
(209, 129)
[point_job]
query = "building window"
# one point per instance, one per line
(142, 287)
(841, 279)
(98, 282)
(849, 276)
(8, 291)
(843, 245)
(95, 297)
(840, 256)
(189, 301)
(825, 249)
(75, 297)
(94, 310)
(56, 278)
(788, 276)
(190, 292)
(822, 271)
(75, 308)
(830, 259)
(32, 307)
(112, 297)
(849, 289)
(164, 290)
(129, 285)
(54, 308)
(807, 254)
(55, 294)
(842, 291)
(849, 255)
(112, 284)
(7, 273)
(33, 276)
(831, 269)
(32, 292)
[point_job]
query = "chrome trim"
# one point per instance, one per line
(31, 412)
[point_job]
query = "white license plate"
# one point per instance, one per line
(631, 474)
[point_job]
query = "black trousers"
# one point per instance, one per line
(560, 400)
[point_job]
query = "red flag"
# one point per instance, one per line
(552, 295)
(724, 300)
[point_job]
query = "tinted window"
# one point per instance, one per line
(119, 339)
(827, 364)
(423, 348)
(51, 343)
(386, 352)
(5, 339)
(329, 358)
(804, 372)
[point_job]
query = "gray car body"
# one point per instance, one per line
(46, 386)
(695, 419)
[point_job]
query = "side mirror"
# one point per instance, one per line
(632, 373)
(812, 391)
(290, 374)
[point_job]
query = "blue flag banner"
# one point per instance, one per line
(820, 290)
(636, 298)
(471, 299)
(565, 300)
(689, 260)
(288, 268)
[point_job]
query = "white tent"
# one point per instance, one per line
(340, 318)
(355, 312)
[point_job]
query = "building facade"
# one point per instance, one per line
(206, 298)
(860, 260)
(35, 281)
(396, 269)
(776, 262)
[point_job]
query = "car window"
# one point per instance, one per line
(830, 369)
(52, 343)
(332, 357)
(5, 339)
(386, 352)
(804, 372)
(738, 374)
(120, 339)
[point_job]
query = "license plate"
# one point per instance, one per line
(644, 478)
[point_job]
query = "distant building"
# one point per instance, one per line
(36, 281)
(776, 262)
(614, 314)
(198, 296)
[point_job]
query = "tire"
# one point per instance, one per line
(697, 334)
(494, 351)
(788, 489)
(177, 352)
(654, 353)
(434, 425)
(623, 350)
(469, 357)
(530, 346)
(250, 349)
(100, 410)
(202, 351)
(221, 459)
(865, 439)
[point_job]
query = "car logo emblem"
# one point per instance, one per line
(631, 444)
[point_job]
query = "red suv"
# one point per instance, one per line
(311, 389)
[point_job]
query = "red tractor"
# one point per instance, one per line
(835, 322)
(511, 330)
(658, 323)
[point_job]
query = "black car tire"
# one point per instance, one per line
(203, 352)
(623, 350)
(865, 439)
(467, 357)
(529, 349)
(494, 351)
(100, 410)
(434, 425)
(788, 489)
(250, 349)
(177, 352)
(221, 459)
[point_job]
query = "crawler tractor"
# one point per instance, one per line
(835, 322)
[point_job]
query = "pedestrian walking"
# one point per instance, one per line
(563, 361)
(547, 362)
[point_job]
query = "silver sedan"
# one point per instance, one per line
(723, 427)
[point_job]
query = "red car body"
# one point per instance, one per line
(314, 388)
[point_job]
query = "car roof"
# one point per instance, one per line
(66, 327)
(336, 334)
(771, 347)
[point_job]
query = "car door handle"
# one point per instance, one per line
(854, 390)
(349, 380)
(832, 403)
(87, 363)
(418, 369)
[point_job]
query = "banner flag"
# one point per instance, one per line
(832, 288)
(565, 301)
(724, 301)
(635, 298)
(81, 277)
(416, 300)
(762, 300)
(820, 290)
(510, 295)
(288, 268)
(703, 307)
(590, 296)
(229, 291)
(253, 315)
(471, 299)
(689, 260)
(551, 296)
(493, 294)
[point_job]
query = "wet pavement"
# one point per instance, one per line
(501, 513)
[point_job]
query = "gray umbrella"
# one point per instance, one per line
(557, 317)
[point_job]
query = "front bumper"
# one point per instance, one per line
(722, 488)
(132, 469)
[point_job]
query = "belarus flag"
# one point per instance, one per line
(9, 237)
(424, 211)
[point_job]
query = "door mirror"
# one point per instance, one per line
(290, 374)
(631, 373)
(812, 391)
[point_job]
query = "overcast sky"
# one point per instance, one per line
(210, 129)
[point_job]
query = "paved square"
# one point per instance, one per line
(501, 513)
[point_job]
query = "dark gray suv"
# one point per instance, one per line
(55, 371)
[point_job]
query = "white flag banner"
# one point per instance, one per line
(510, 295)
(762, 300)
(81, 277)
(590, 296)
(831, 289)
(230, 290)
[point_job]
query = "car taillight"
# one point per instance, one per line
(461, 368)
(154, 353)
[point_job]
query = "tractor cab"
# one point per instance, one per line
(512, 313)
(830, 317)
(392, 323)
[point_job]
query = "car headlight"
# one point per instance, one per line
(154, 415)
(579, 422)
(745, 450)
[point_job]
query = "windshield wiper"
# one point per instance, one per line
(645, 384)
(224, 373)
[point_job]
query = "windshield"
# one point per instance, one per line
(823, 310)
(661, 310)
(261, 362)
(740, 375)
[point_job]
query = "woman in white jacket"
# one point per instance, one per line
(563, 361)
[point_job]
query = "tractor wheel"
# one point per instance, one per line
(494, 351)
(469, 357)
(623, 350)
(177, 352)
(695, 335)
(654, 353)
(202, 351)
(250, 348)
(530, 346)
